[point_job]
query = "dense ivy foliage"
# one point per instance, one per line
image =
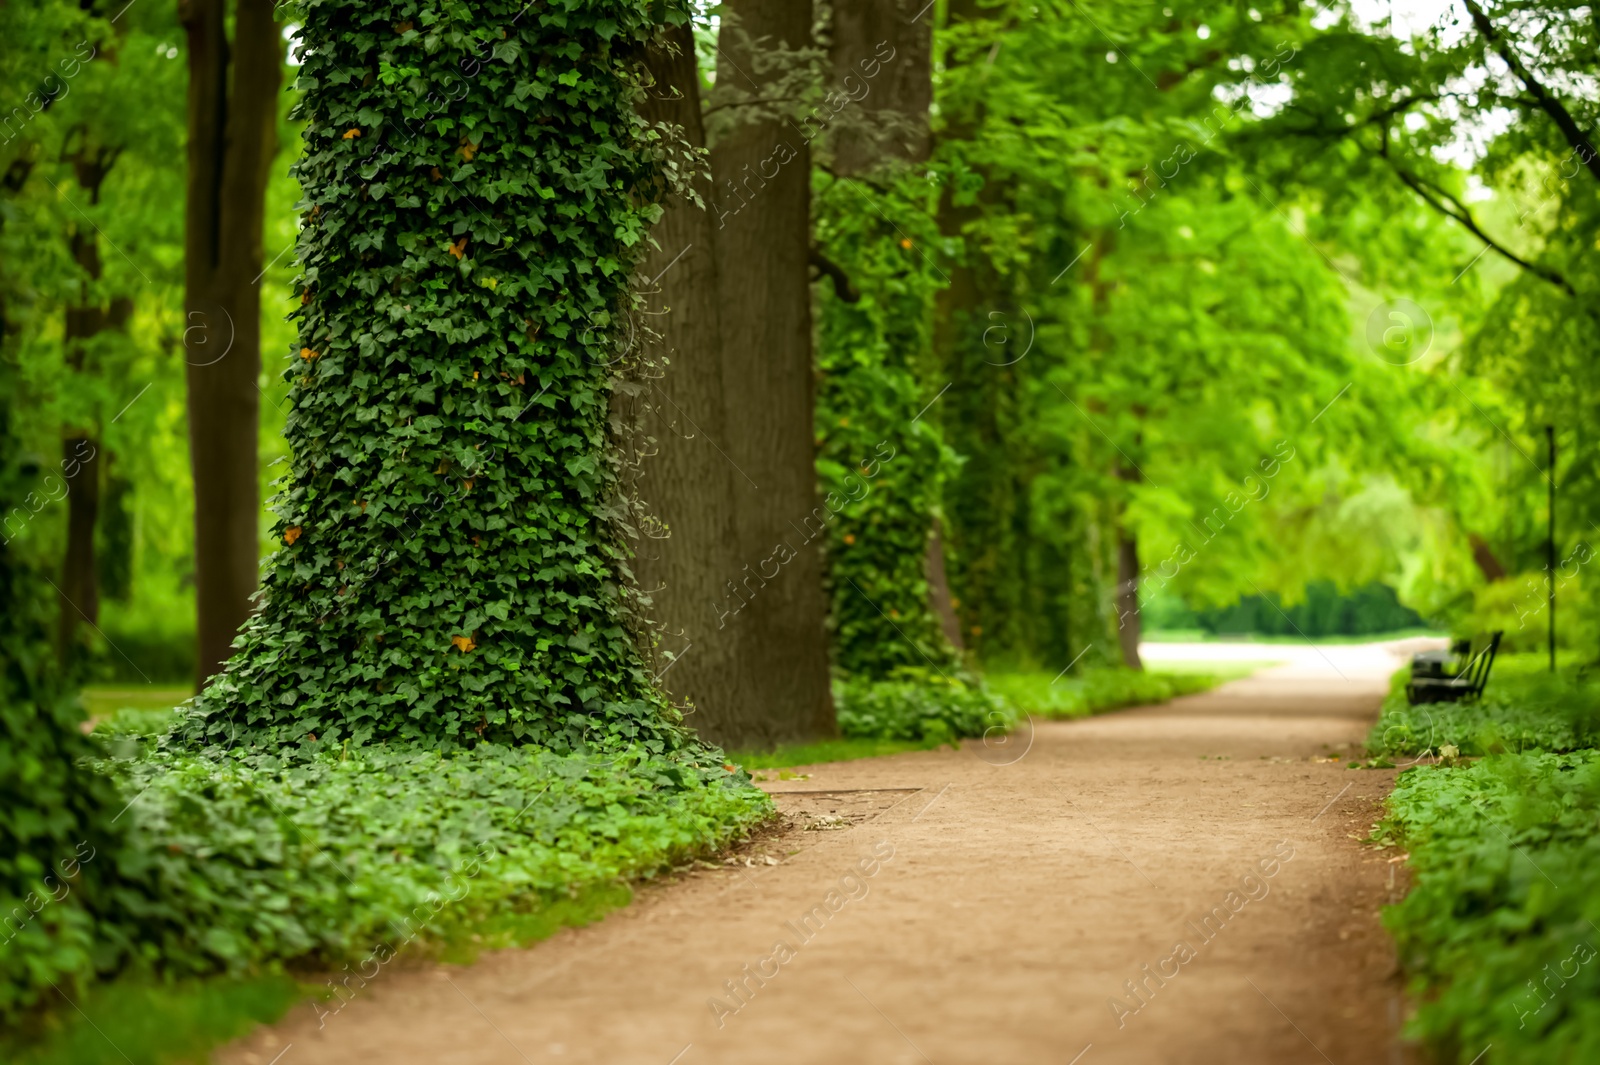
(881, 466)
(477, 187)
(257, 859)
(1499, 929)
(233, 861)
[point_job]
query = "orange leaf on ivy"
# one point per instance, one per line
(463, 643)
(459, 248)
(905, 242)
(350, 133)
(467, 150)
(291, 534)
(402, 27)
(436, 175)
(307, 354)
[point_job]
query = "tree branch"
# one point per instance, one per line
(1546, 101)
(1447, 205)
(842, 287)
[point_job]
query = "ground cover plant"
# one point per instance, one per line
(1501, 820)
(241, 863)
(1522, 708)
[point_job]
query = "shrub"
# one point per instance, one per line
(919, 704)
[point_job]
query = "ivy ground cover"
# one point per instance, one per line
(1501, 928)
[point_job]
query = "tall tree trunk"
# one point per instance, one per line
(763, 172)
(689, 484)
(1129, 626)
(80, 587)
(232, 120)
(1126, 595)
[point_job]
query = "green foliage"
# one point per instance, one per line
(920, 705)
(1522, 709)
(58, 816)
(879, 465)
(235, 862)
(255, 859)
(1499, 930)
(1095, 690)
(477, 188)
(1324, 611)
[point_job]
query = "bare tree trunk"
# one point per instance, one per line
(80, 449)
(1129, 628)
(762, 167)
(899, 90)
(689, 482)
(232, 120)
(943, 603)
(79, 584)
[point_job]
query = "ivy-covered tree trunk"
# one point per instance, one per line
(688, 551)
(233, 136)
(762, 166)
(477, 189)
(882, 463)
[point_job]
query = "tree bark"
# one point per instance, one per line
(1129, 626)
(232, 123)
(762, 207)
(939, 597)
(688, 483)
(80, 586)
(80, 448)
(891, 119)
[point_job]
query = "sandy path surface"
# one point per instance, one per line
(988, 905)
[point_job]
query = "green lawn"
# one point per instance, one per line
(1202, 636)
(149, 705)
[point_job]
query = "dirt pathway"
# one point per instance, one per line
(941, 907)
